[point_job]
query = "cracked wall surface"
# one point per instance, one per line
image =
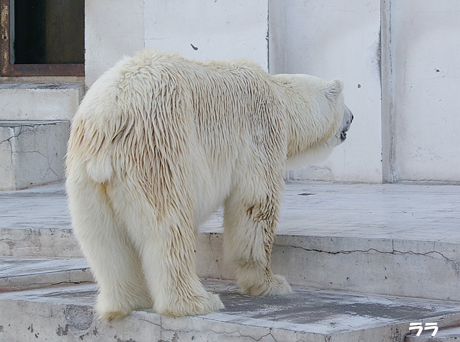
(32, 152)
(382, 266)
(6, 157)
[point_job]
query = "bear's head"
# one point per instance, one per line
(346, 123)
(318, 117)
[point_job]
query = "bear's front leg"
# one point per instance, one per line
(249, 231)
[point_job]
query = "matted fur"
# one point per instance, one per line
(158, 144)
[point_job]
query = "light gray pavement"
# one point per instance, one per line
(397, 211)
(42, 207)
(388, 211)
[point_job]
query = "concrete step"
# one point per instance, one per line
(32, 152)
(66, 314)
(442, 335)
(18, 274)
(39, 101)
(34, 130)
(35, 223)
(391, 239)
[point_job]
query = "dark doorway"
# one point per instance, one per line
(29, 32)
(44, 37)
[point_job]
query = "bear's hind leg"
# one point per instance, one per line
(248, 239)
(106, 245)
(168, 257)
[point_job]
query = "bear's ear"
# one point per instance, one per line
(334, 89)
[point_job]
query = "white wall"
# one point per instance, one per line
(401, 88)
(218, 30)
(425, 72)
(113, 29)
(337, 39)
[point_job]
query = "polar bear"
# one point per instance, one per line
(159, 143)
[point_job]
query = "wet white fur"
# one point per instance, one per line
(159, 143)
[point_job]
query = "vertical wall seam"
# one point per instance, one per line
(267, 37)
(389, 174)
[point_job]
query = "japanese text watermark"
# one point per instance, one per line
(420, 328)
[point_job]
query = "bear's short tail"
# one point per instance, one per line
(88, 151)
(100, 168)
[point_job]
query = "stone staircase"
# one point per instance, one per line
(34, 129)
(365, 262)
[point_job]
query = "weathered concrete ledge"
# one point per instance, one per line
(66, 314)
(398, 239)
(39, 242)
(443, 335)
(419, 269)
(25, 274)
(40, 101)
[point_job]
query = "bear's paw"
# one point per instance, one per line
(194, 305)
(273, 285)
(109, 316)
